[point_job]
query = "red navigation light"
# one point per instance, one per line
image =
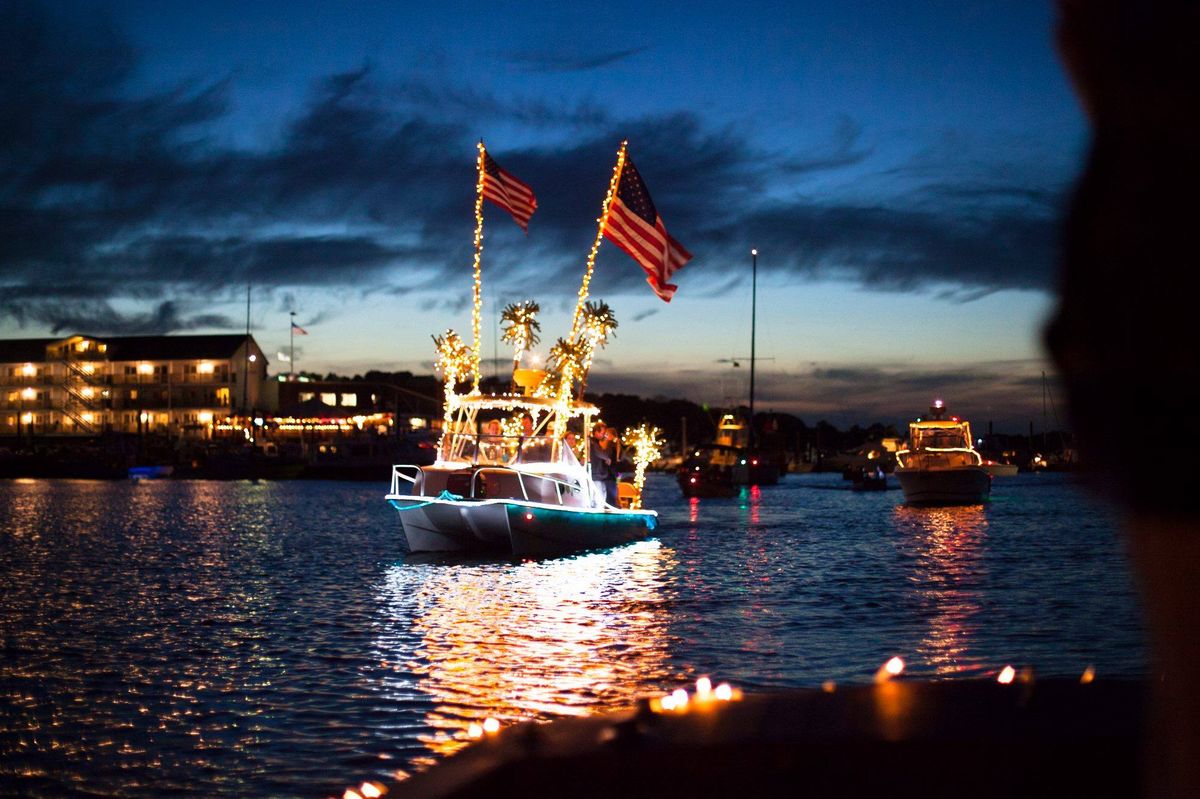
(954, 418)
(754, 461)
(692, 480)
(528, 516)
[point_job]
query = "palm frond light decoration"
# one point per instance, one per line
(567, 358)
(646, 444)
(520, 327)
(455, 361)
(598, 325)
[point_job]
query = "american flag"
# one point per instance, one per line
(507, 192)
(634, 225)
(299, 331)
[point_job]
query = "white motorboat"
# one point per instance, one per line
(501, 483)
(940, 465)
(510, 473)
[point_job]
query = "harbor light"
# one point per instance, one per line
(703, 687)
(491, 725)
(1006, 675)
(724, 692)
(474, 730)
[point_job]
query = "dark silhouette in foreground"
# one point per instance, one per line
(1124, 336)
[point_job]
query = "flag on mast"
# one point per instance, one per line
(507, 192)
(633, 224)
(297, 330)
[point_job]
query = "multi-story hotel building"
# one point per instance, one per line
(84, 385)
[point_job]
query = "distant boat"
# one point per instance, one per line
(158, 472)
(1001, 469)
(870, 479)
(720, 468)
(940, 465)
(708, 471)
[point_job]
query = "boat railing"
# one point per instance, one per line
(399, 473)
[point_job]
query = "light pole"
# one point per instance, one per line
(753, 318)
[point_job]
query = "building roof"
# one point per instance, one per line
(132, 348)
(24, 350)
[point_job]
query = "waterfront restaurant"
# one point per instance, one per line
(87, 385)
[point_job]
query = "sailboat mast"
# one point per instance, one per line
(753, 320)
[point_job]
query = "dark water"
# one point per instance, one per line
(271, 638)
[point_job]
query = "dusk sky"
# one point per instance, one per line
(899, 166)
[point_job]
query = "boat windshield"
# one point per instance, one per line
(940, 438)
(501, 450)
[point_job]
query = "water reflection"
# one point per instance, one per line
(945, 545)
(565, 636)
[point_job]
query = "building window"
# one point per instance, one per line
(350, 400)
(328, 398)
(306, 396)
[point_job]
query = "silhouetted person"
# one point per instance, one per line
(1124, 336)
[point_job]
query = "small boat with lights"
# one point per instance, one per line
(514, 471)
(940, 465)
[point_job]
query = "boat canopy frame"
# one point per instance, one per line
(465, 442)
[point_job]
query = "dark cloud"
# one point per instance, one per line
(99, 317)
(570, 61)
(107, 196)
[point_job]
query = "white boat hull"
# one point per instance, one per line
(967, 485)
(516, 526)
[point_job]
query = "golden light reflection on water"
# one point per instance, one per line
(948, 570)
(537, 639)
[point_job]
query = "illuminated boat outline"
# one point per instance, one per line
(942, 475)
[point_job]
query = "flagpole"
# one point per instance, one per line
(477, 298)
(292, 347)
(603, 220)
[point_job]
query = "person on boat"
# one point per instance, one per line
(534, 449)
(603, 461)
(492, 447)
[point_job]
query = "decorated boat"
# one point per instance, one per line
(515, 470)
(940, 466)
